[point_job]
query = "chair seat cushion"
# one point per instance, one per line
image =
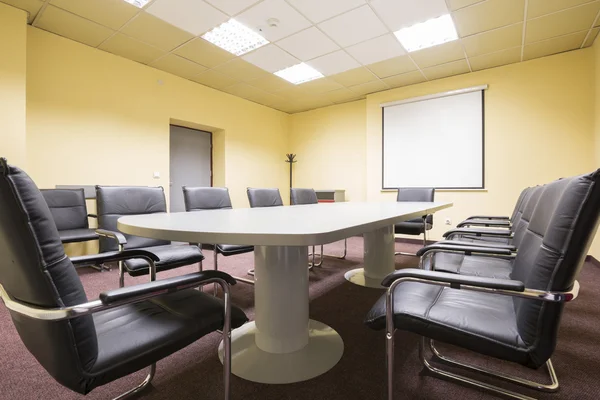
(413, 227)
(482, 322)
(171, 256)
(233, 249)
(77, 235)
(489, 267)
(134, 336)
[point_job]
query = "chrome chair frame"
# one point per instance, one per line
(321, 255)
(402, 253)
(541, 295)
(65, 313)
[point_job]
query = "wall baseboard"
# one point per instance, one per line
(592, 260)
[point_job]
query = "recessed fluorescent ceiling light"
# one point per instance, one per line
(235, 38)
(427, 34)
(299, 73)
(138, 3)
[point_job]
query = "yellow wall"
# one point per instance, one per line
(595, 250)
(539, 127)
(329, 143)
(95, 118)
(12, 81)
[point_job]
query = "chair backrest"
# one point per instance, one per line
(417, 194)
(521, 221)
(114, 202)
(67, 207)
(303, 196)
(206, 198)
(35, 270)
(551, 254)
(264, 197)
(519, 204)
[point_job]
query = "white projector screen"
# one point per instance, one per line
(434, 142)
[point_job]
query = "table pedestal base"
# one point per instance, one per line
(378, 256)
(324, 350)
(358, 277)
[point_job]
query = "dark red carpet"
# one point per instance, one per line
(195, 372)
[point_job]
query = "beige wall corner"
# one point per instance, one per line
(595, 250)
(330, 147)
(13, 133)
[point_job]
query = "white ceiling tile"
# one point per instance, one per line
(375, 50)
(399, 14)
(232, 7)
(193, 16)
(289, 20)
(319, 10)
(334, 63)
(270, 58)
(354, 26)
(308, 44)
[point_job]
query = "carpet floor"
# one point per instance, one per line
(196, 373)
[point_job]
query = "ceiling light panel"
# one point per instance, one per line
(354, 26)
(235, 38)
(270, 58)
(274, 19)
(397, 14)
(232, 7)
(427, 34)
(375, 50)
(308, 44)
(138, 3)
(334, 63)
(299, 73)
(319, 10)
(193, 16)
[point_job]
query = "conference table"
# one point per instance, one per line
(282, 345)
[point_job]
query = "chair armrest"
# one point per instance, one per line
(487, 217)
(455, 280)
(499, 223)
(484, 244)
(479, 232)
(118, 236)
(92, 216)
(467, 250)
(155, 288)
(112, 256)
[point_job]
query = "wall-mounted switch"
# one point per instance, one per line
(156, 175)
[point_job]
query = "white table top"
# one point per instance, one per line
(303, 225)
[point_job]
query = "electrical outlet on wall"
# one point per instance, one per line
(448, 221)
(156, 175)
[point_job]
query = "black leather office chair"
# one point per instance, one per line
(515, 319)
(475, 228)
(70, 215)
(300, 196)
(84, 344)
(258, 197)
(114, 202)
(214, 198)
(416, 226)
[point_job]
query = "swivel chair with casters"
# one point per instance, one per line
(309, 196)
(418, 226)
(515, 319)
(70, 215)
(74, 338)
(117, 201)
(214, 198)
